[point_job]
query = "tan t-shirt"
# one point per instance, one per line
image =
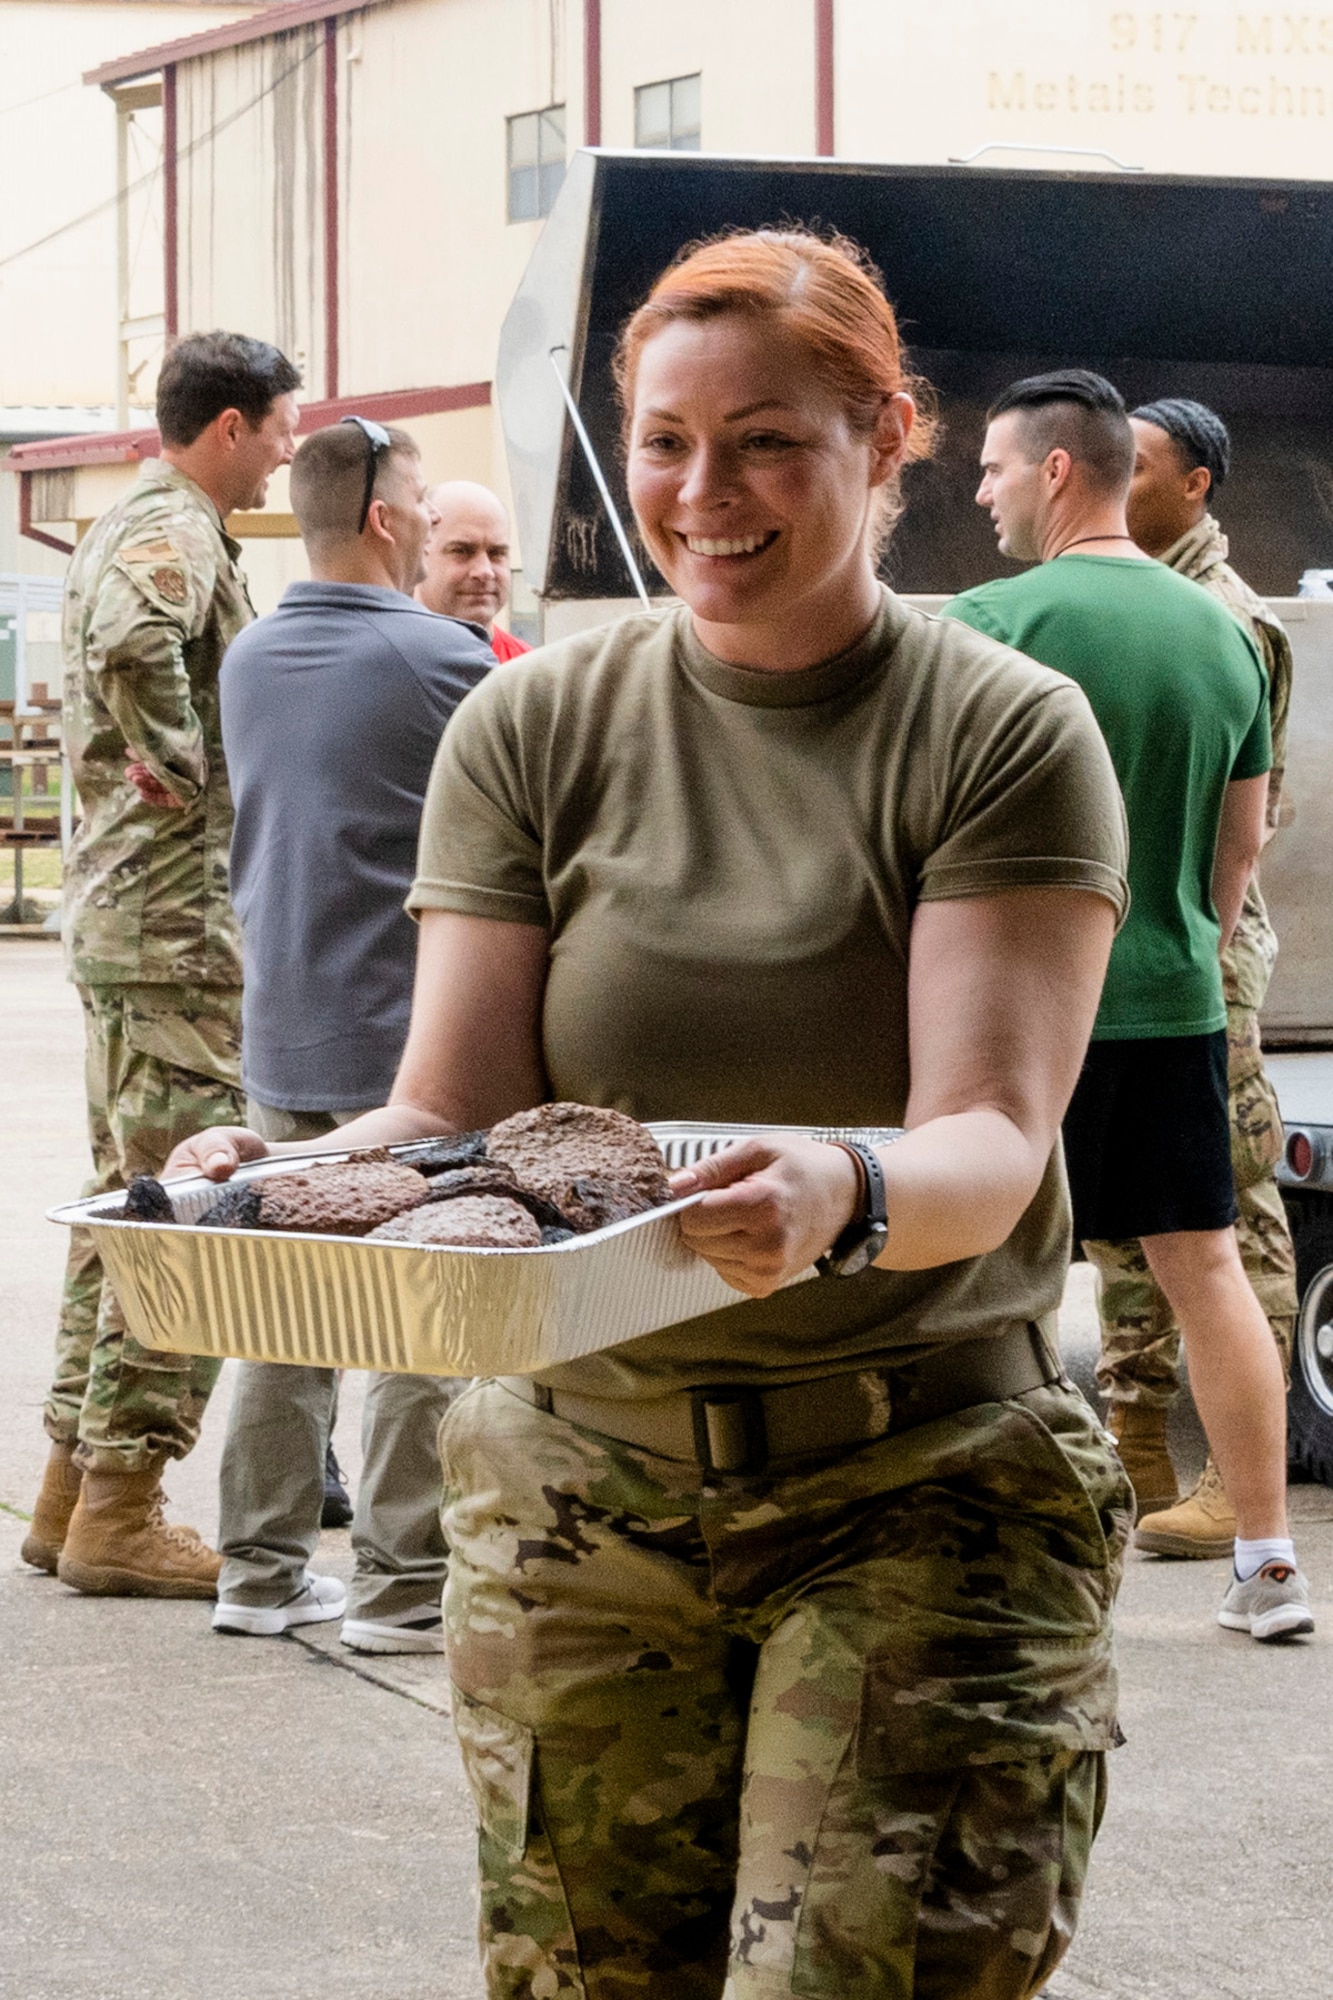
(728, 862)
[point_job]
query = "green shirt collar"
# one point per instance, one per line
(757, 687)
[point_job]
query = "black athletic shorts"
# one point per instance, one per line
(1148, 1139)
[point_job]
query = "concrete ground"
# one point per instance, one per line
(188, 1818)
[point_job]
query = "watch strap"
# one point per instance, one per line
(874, 1210)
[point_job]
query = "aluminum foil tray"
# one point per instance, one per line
(425, 1309)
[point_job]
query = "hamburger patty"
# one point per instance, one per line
(555, 1145)
(591, 1201)
(481, 1221)
(345, 1198)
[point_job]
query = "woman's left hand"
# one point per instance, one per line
(772, 1207)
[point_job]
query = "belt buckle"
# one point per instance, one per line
(730, 1435)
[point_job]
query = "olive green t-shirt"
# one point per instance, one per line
(1182, 698)
(728, 862)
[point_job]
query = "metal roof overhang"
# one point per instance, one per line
(258, 27)
(1172, 285)
(64, 454)
(387, 406)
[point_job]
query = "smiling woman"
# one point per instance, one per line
(804, 468)
(819, 1703)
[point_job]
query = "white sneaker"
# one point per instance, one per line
(419, 1630)
(1274, 1603)
(319, 1598)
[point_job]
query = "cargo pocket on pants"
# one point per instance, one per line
(1256, 1124)
(497, 1757)
(199, 1034)
(527, 1938)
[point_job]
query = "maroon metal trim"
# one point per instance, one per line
(331, 356)
(387, 405)
(256, 27)
(25, 520)
(592, 72)
(95, 448)
(122, 447)
(824, 78)
(170, 210)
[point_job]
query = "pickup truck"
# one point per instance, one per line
(1172, 286)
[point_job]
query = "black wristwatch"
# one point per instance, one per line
(865, 1236)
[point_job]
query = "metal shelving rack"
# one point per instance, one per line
(30, 735)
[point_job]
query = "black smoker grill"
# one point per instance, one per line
(1218, 289)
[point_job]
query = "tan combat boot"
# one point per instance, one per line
(50, 1515)
(1139, 1431)
(119, 1543)
(1202, 1524)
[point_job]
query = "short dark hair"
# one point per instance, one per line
(1073, 410)
(328, 479)
(1198, 434)
(207, 373)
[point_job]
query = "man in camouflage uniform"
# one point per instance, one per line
(1182, 456)
(155, 594)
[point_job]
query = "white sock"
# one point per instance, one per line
(1251, 1556)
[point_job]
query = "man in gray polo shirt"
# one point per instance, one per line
(332, 708)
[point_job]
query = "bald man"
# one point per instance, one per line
(467, 561)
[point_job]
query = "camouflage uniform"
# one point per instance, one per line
(154, 598)
(836, 1730)
(1140, 1340)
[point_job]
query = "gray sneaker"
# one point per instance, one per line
(1274, 1603)
(318, 1599)
(418, 1630)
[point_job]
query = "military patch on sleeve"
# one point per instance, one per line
(160, 568)
(161, 550)
(170, 584)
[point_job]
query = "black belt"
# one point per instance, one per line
(734, 1429)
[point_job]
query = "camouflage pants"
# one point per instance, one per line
(836, 1731)
(1140, 1340)
(161, 1062)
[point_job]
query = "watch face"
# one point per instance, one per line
(864, 1254)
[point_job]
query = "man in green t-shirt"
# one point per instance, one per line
(1182, 456)
(1181, 696)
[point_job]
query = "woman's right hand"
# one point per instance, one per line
(215, 1153)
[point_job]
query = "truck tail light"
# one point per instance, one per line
(1300, 1156)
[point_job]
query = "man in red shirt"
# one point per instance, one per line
(467, 562)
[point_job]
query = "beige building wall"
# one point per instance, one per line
(430, 262)
(57, 169)
(427, 260)
(17, 553)
(756, 59)
(427, 87)
(1215, 88)
(250, 183)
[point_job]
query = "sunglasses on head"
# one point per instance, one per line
(377, 441)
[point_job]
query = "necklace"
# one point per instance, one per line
(1081, 539)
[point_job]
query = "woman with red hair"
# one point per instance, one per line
(780, 1639)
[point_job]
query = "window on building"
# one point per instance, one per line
(536, 162)
(666, 115)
